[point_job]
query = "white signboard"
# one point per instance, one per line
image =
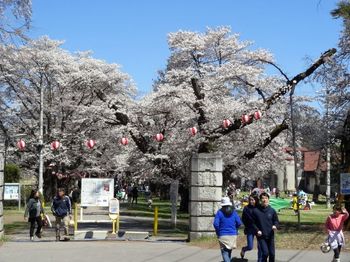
(96, 191)
(114, 206)
(345, 183)
(12, 191)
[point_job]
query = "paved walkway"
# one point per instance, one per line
(127, 223)
(92, 251)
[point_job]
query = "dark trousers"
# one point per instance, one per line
(39, 222)
(266, 249)
(337, 252)
(134, 199)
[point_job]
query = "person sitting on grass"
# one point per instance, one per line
(226, 224)
(334, 226)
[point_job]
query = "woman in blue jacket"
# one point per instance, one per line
(247, 218)
(226, 224)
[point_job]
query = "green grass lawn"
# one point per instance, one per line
(310, 235)
(14, 220)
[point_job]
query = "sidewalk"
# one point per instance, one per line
(93, 251)
(127, 223)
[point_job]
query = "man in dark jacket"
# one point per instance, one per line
(265, 222)
(62, 210)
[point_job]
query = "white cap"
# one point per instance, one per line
(225, 201)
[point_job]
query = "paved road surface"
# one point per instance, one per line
(100, 251)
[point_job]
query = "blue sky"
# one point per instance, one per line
(134, 33)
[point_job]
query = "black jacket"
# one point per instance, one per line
(247, 218)
(264, 218)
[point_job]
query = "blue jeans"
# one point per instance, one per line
(226, 254)
(250, 243)
(266, 249)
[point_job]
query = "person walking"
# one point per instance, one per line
(135, 195)
(33, 213)
(129, 193)
(226, 224)
(62, 210)
(265, 222)
(247, 218)
(334, 226)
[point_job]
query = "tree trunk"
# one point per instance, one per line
(49, 185)
(316, 187)
(185, 198)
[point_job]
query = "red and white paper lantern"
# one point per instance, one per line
(55, 145)
(90, 143)
(21, 145)
(245, 119)
(124, 141)
(226, 123)
(257, 115)
(193, 131)
(159, 137)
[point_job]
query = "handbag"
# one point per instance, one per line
(46, 221)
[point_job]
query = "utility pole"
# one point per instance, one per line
(328, 152)
(2, 167)
(294, 148)
(41, 143)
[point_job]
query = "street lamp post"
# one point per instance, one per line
(41, 143)
(328, 153)
(294, 149)
(2, 167)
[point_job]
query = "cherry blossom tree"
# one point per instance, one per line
(211, 77)
(73, 113)
(15, 18)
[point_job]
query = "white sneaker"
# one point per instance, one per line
(31, 238)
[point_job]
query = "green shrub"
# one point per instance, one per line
(12, 173)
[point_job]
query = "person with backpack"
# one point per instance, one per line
(226, 224)
(247, 218)
(265, 222)
(33, 213)
(62, 210)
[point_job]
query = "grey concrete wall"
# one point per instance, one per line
(205, 193)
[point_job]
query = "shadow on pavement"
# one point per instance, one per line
(236, 259)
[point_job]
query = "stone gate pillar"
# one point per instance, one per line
(205, 193)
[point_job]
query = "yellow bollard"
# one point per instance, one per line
(75, 216)
(155, 224)
(113, 226)
(117, 223)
